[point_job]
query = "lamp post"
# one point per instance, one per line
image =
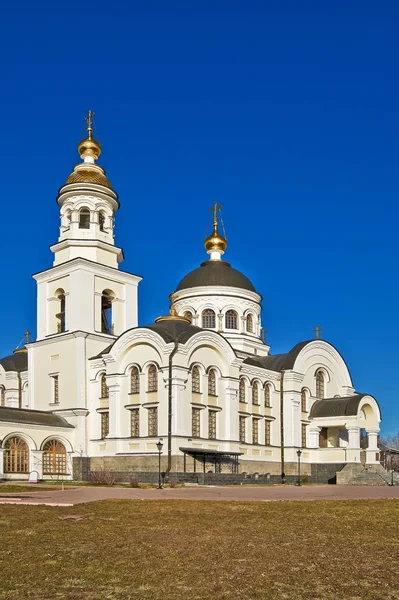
(298, 453)
(159, 446)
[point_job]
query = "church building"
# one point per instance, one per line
(96, 391)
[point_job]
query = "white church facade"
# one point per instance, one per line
(97, 389)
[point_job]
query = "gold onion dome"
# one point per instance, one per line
(89, 147)
(89, 175)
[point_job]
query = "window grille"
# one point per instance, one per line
(212, 415)
(84, 218)
(104, 387)
(196, 422)
(195, 381)
(134, 381)
(135, 422)
(320, 385)
(242, 390)
(104, 424)
(54, 458)
(255, 393)
(303, 435)
(303, 401)
(208, 319)
(242, 429)
(212, 383)
(16, 456)
(267, 433)
(152, 379)
(56, 398)
(255, 431)
(267, 396)
(231, 319)
(153, 422)
(250, 324)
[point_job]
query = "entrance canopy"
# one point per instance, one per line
(215, 457)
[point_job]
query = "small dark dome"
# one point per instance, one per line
(215, 272)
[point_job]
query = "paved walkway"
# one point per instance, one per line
(78, 495)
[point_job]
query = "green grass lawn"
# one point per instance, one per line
(186, 550)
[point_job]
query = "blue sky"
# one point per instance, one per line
(285, 113)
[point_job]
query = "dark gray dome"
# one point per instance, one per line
(215, 272)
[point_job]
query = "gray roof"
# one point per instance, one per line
(215, 272)
(25, 416)
(15, 362)
(336, 407)
(277, 362)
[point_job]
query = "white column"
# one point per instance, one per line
(114, 410)
(372, 452)
(220, 322)
(313, 436)
(12, 398)
(231, 414)
(353, 448)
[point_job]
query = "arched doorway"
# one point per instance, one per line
(16, 455)
(54, 458)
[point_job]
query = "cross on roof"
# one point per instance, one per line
(317, 332)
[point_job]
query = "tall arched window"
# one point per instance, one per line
(250, 323)
(2, 396)
(267, 396)
(209, 319)
(212, 383)
(54, 458)
(320, 384)
(134, 381)
(195, 381)
(16, 456)
(241, 391)
(106, 313)
(152, 379)
(60, 316)
(104, 387)
(84, 218)
(187, 315)
(101, 220)
(255, 392)
(231, 319)
(303, 400)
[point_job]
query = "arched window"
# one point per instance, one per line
(101, 220)
(241, 391)
(106, 313)
(188, 315)
(54, 458)
(104, 387)
(250, 323)
(267, 396)
(320, 384)
(212, 383)
(303, 400)
(255, 392)
(2, 396)
(231, 319)
(195, 381)
(209, 319)
(84, 218)
(152, 379)
(16, 456)
(134, 381)
(60, 316)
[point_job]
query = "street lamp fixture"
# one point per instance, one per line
(298, 481)
(159, 446)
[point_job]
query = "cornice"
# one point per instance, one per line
(77, 263)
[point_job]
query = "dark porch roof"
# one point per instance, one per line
(205, 452)
(336, 407)
(32, 417)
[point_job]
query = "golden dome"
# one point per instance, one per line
(215, 242)
(172, 316)
(89, 175)
(89, 147)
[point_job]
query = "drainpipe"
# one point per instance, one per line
(282, 426)
(171, 355)
(19, 390)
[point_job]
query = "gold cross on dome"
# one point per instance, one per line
(317, 332)
(27, 334)
(89, 120)
(214, 211)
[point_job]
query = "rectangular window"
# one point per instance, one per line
(267, 433)
(56, 398)
(212, 425)
(255, 431)
(196, 422)
(135, 422)
(242, 429)
(303, 435)
(153, 422)
(104, 424)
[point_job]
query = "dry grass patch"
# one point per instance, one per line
(16, 489)
(157, 550)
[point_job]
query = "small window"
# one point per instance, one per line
(106, 313)
(188, 315)
(208, 319)
(242, 390)
(231, 319)
(84, 218)
(212, 383)
(104, 424)
(255, 431)
(195, 381)
(267, 433)
(55, 398)
(267, 396)
(101, 220)
(196, 422)
(135, 422)
(2, 396)
(303, 400)
(104, 387)
(303, 435)
(152, 379)
(320, 385)
(250, 324)
(153, 422)
(134, 381)
(212, 424)
(242, 429)
(255, 393)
